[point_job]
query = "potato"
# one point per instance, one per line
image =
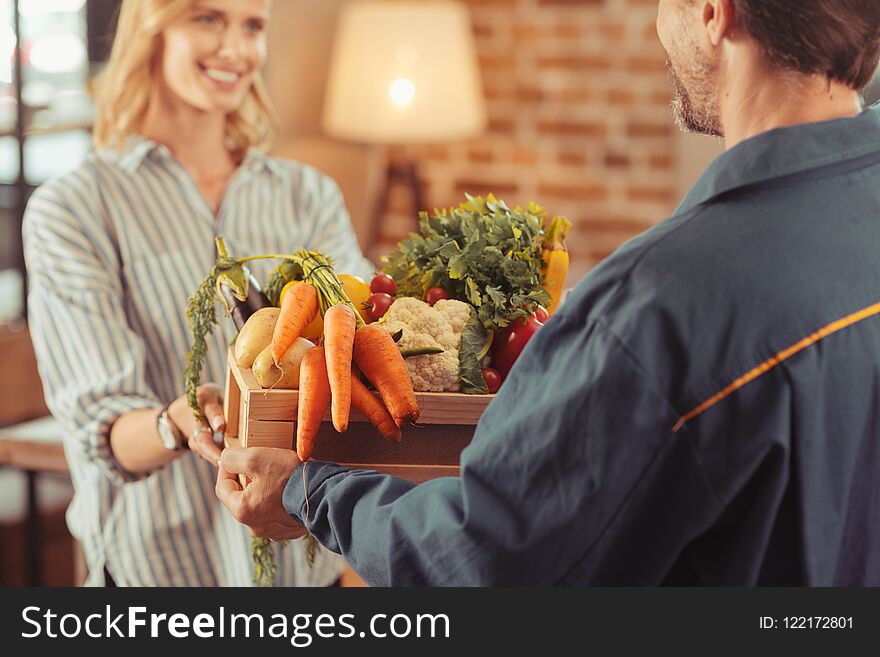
(255, 335)
(287, 376)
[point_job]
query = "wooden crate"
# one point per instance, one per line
(267, 418)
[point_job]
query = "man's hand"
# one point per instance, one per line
(258, 505)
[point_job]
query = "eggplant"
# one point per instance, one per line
(240, 310)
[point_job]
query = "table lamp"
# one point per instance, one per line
(403, 72)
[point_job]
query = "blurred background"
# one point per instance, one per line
(563, 102)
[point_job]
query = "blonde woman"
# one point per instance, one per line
(114, 250)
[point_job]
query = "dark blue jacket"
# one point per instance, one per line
(704, 409)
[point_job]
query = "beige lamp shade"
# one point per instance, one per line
(403, 71)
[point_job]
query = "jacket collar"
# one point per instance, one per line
(786, 151)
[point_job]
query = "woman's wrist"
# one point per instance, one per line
(170, 433)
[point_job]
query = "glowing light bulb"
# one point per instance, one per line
(402, 92)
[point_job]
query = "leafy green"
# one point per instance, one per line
(480, 252)
(474, 341)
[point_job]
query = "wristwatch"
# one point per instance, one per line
(170, 435)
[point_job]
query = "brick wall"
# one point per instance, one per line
(579, 121)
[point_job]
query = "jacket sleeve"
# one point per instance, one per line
(573, 472)
(91, 363)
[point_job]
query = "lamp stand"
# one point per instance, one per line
(407, 173)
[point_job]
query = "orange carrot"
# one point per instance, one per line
(379, 359)
(339, 325)
(314, 395)
(374, 410)
(298, 309)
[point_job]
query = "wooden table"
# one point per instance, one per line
(34, 448)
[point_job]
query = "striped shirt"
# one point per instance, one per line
(114, 250)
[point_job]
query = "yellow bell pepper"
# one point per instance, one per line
(555, 257)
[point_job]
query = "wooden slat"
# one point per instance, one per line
(362, 444)
(231, 404)
(434, 444)
(242, 419)
(416, 473)
(437, 407)
(269, 434)
(430, 449)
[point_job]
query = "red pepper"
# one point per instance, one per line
(509, 343)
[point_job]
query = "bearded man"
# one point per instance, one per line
(705, 408)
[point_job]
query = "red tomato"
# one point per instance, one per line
(379, 304)
(434, 294)
(492, 379)
(541, 314)
(383, 283)
(509, 343)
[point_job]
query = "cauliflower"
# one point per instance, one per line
(424, 326)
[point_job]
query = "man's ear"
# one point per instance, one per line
(718, 19)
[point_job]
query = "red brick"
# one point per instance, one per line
(523, 155)
(595, 192)
(575, 96)
(621, 97)
(501, 126)
(525, 31)
(640, 129)
(483, 187)
(571, 129)
(480, 156)
(612, 31)
(572, 3)
(529, 94)
(572, 159)
(567, 31)
(575, 63)
(617, 160)
(646, 64)
(498, 63)
(661, 195)
(611, 225)
(663, 162)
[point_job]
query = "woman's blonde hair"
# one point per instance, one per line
(122, 89)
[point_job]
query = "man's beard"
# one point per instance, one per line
(696, 106)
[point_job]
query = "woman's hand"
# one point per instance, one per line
(201, 434)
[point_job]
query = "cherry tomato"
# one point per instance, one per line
(541, 314)
(492, 378)
(434, 294)
(379, 304)
(383, 283)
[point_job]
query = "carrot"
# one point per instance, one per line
(379, 359)
(374, 410)
(339, 325)
(314, 395)
(299, 308)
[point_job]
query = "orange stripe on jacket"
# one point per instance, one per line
(772, 362)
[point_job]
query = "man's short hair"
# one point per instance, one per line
(836, 38)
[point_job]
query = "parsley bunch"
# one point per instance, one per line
(480, 252)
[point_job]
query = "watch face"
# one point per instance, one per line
(166, 432)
